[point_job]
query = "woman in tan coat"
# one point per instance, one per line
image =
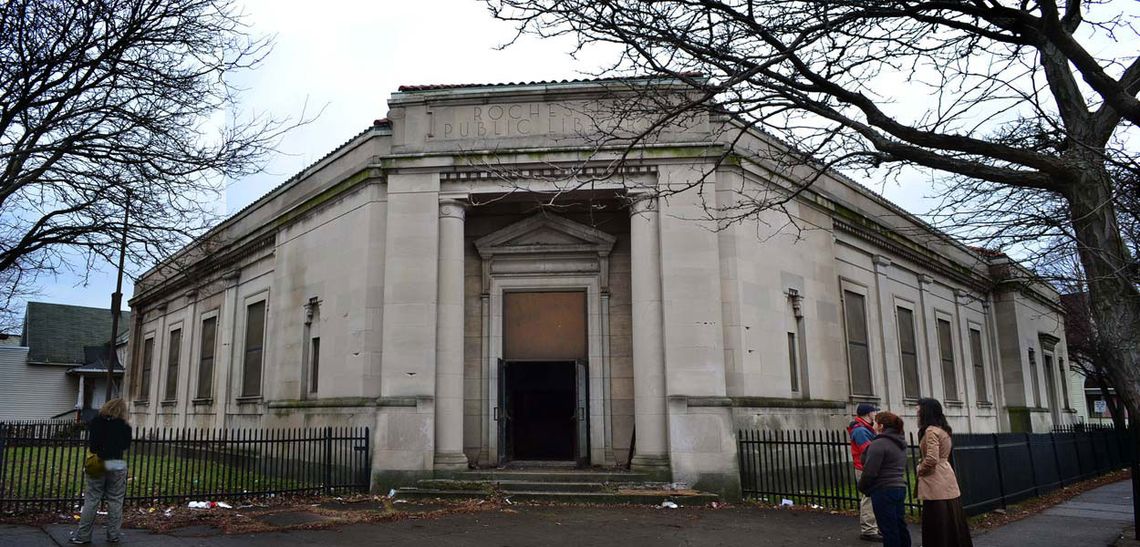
(943, 521)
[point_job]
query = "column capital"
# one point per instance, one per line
(453, 208)
(882, 264)
(924, 280)
(642, 203)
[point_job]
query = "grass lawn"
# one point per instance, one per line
(56, 473)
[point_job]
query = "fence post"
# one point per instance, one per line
(997, 462)
(1057, 460)
(1032, 467)
(328, 460)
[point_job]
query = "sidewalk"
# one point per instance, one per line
(522, 526)
(1094, 519)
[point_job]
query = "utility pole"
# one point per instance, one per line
(117, 302)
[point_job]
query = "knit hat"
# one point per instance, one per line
(865, 408)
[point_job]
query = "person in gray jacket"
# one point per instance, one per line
(884, 479)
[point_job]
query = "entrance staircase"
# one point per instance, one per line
(554, 486)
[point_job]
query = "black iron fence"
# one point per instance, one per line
(41, 464)
(806, 467)
(1003, 468)
(815, 467)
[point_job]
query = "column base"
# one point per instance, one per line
(451, 461)
(656, 467)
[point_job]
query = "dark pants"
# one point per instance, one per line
(889, 511)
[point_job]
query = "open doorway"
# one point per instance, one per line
(543, 405)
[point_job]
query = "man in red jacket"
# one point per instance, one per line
(861, 433)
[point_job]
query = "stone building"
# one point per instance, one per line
(481, 281)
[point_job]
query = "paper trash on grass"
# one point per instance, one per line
(786, 502)
(668, 504)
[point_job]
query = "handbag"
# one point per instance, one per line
(93, 465)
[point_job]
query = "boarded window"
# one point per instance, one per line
(544, 326)
(1050, 383)
(1036, 380)
(793, 361)
(979, 366)
(206, 361)
(858, 352)
(946, 352)
(147, 364)
(171, 390)
(1064, 383)
(254, 341)
(908, 352)
(315, 364)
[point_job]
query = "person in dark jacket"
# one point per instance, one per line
(108, 436)
(884, 478)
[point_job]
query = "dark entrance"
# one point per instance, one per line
(540, 401)
(543, 404)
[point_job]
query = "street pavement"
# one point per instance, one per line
(1092, 519)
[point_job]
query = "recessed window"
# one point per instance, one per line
(315, 364)
(254, 342)
(858, 351)
(946, 353)
(171, 390)
(908, 352)
(793, 362)
(206, 359)
(147, 364)
(1036, 381)
(979, 366)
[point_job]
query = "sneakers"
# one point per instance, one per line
(76, 541)
(872, 537)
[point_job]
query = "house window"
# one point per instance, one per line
(946, 353)
(254, 341)
(979, 366)
(792, 362)
(1036, 381)
(858, 352)
(144, 376)
(171, 391)
(206, 359)
(315, 364)
(908, 348)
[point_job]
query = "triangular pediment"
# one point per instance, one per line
(545, 233)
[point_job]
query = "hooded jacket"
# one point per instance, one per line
(884, 463)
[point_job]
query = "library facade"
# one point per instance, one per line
(492, 276)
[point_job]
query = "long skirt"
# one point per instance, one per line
(944, 524)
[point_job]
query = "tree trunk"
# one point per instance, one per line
(1113, 297)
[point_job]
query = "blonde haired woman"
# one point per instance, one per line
(108, 436)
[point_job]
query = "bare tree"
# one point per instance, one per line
(1034, 99)
(105, 99)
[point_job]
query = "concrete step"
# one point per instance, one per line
(630, 497)
(574, 476)
(515, 486)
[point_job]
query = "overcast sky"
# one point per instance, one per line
(346, 57)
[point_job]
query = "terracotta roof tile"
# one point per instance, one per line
(434, 87)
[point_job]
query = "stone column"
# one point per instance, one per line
(651, 449)
(449, 340)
